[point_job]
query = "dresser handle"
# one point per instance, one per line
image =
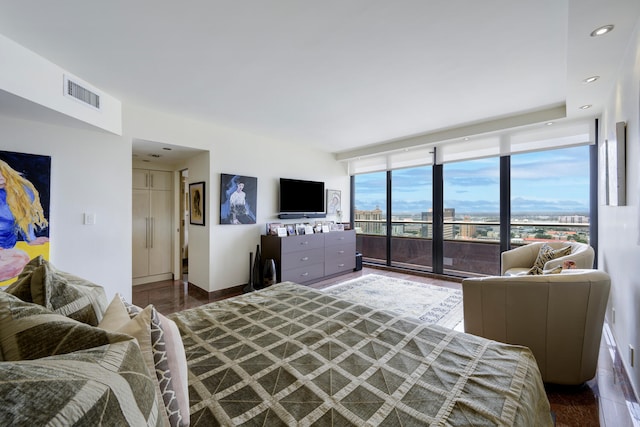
(306, 242)
(304, 274)
(340, 252)
(305, 258)
(340, 265)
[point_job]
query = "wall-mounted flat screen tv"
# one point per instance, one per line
(301, 197)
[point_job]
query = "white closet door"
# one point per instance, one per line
(160, 180)
(160, 233)
(140, 248)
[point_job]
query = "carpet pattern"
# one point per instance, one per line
(431, 304)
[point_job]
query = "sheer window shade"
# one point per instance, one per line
(558, 135)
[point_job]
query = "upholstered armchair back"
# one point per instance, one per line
(558, 316)
(521, 259)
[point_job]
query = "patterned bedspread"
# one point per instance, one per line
(292, 355)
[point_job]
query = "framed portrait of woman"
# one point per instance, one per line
(24, 211)
(334, 202)
(196, 203)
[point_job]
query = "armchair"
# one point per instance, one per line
(522, 258)
(558, 316)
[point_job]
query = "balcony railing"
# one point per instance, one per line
(471, 248)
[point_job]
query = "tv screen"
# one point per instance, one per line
(298, 196)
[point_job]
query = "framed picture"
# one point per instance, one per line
(196, 203)
(616, 166)
(28, 178)
(272, 228)
(333, 202)
(238, 198)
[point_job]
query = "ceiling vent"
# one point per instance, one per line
(79, 92)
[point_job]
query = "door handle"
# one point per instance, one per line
(146, 233)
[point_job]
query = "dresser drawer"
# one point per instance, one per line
(339, 238)
(301, 243)
(302, 258)
(303, 274)
(339, 265)
(339, 251)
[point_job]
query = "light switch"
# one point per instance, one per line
(89, 219)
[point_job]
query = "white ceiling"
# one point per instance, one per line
(338, 75)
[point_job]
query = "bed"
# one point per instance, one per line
(292, 355)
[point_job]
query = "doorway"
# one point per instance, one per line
(184, 225)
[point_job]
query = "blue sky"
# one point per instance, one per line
(554, 181)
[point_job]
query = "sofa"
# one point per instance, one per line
(558, 316)
(521, 259)
(69, 357)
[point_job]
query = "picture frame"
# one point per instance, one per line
(238, 199)
(334, 202)
(616, 159)
(273, 227)
(197, 205)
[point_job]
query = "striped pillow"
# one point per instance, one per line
(546, 254)
(30, 331)
(57, 371)
(40, 282)
(169, 360)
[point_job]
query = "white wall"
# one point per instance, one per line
(218, 254)
(90, 172)
(27, 75)
(619, 227)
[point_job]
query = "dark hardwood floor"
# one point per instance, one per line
(607, 400)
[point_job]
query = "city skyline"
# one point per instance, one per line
(552, 182)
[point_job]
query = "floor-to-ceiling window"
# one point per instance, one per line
(549, 200)
(550, 196)
(370, 215)
(471, 231)
(411, 217)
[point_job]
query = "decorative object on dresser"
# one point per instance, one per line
(269, 273)
(311, 257)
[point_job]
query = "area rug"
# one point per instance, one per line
(431, 304)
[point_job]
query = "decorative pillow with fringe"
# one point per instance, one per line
(546, 254)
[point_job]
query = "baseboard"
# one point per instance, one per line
(616, 357)
(217, 294)
(150, 279)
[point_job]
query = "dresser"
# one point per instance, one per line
(311, 257)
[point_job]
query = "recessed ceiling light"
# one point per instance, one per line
(466, 138)
(591, 79)
(549, 123)
(602, 30)
(585, 106)
(166, 148)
